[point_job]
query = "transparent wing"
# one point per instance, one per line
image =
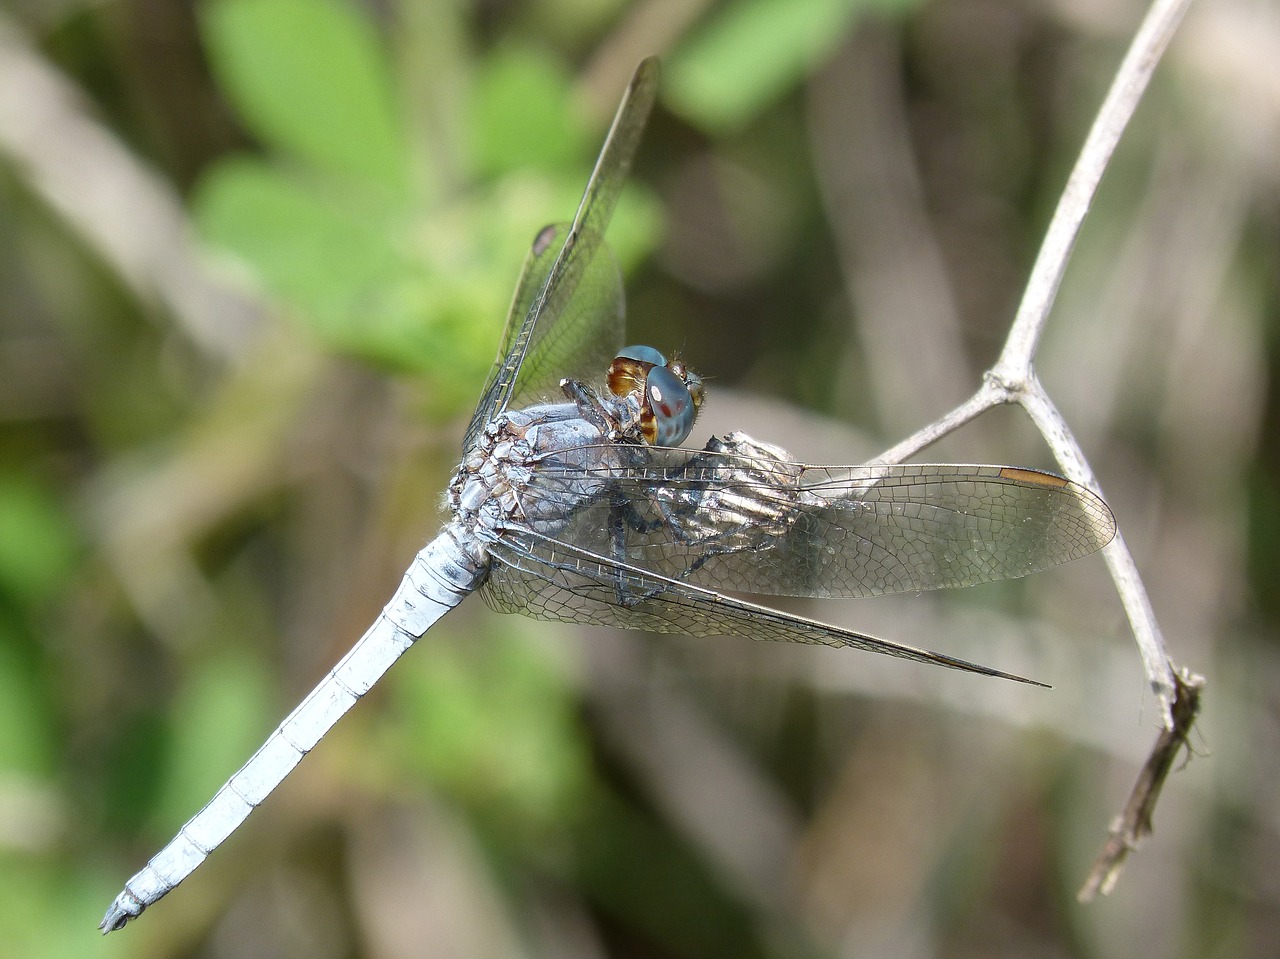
(581, 325)
(549, 579)
(566, 263)
(746, 522)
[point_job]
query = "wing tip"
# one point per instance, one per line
(1001, 674)
(954, 662)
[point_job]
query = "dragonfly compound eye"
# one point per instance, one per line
(630, 367)
(672, 405)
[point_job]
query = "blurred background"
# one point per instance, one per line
(254, 261)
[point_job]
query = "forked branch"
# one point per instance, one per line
(1012, 380)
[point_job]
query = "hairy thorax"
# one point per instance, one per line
(491, 489)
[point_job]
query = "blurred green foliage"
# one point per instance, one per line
(327, 219)
(755, 52)
(310, 78)
(496, 728)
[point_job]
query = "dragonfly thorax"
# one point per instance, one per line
(487, 491)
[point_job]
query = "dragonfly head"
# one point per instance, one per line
(668, 393)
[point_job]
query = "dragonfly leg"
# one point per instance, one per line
(624, 520)
(623, 517)
(681, 518)
(592, 409)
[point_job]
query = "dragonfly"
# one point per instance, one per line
(575, 501)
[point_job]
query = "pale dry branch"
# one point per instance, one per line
(1013, 380)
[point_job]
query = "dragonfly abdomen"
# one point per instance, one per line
(441, 575)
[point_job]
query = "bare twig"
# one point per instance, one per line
(1124, 571)
(1012, 380)
(1117, 109)
(1134, 824)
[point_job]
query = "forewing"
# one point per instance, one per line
(757, 524)
(548, 579)
(565, 263)
(582, 326)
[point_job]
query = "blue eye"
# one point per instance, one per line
(642, 354)
(673, 407)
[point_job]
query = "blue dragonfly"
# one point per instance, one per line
(575, 502)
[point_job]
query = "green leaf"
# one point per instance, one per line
(359, 285)
(37, 544)
(753, 52)
(304, 249)
(310, 77)
(519, 118)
